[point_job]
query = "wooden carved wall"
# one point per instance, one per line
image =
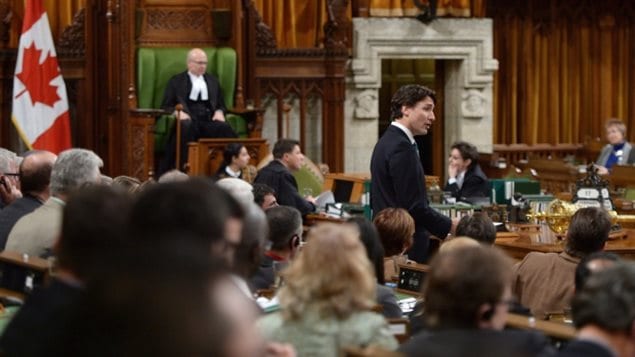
(304, 73)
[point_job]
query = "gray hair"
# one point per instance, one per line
(173, 176)
(241, 190)
(74, 168)
(8, 161)
(607, 299)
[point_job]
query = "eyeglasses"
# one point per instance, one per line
(200, 63)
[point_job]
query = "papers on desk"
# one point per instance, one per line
(407, 305)
(268, 305)
(323, 198)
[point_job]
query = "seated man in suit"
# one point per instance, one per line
(544, 282)
(203, 114)
(92, 225)
(285, 230)
(287, 157)
(604, 314)
(36, 232)
(10, 189)
(466, 299)
(35, 176)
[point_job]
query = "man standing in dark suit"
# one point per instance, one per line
(203, 114)
(398, 179)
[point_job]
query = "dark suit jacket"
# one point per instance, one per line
(178, 91)
(398, 180)
(581, 348)
(477, 343)
(278, 177)
(475, 184)
(45, 317)
(13, 212)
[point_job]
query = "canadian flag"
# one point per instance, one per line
(40, 107)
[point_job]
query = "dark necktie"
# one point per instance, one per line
(416, 147)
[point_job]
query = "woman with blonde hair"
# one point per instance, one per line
(327, 297)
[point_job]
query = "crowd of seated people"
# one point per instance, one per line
(128, 253)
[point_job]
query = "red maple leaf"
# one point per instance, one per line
(37, 77)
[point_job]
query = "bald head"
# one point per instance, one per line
(196, 61)
(35, 172)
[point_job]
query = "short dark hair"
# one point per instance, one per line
(607, 299)
(583, 272)
(231, 150)
(409, 95)
(34, 177)
(467, 151)
(92, 228)
(477, 226)
(195, 208)
(284, 222)
(284, 146)
(460, 281)
(588, 231)
(374, 249)
(260, 190)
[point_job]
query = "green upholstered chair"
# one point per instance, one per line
(155, 67)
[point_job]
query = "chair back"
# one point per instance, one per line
(155, 67)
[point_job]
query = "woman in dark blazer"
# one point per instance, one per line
(465, 177)
(618, 151)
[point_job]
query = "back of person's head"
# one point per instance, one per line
(408, 96)
(231, 150)
(35, 171)
(396, 229)
(252, 242)
(478, 226)
(241, 190)
(126, 183)
(73, 169)
(196, 208)
(592, 263)
(331, 275)
(92, 229)
(588, 231)
(285, 228)
(163, 303)
(374, 250)
(607, 300)
(461, 282)
(173, 176)
(458, 243)
(284, 146)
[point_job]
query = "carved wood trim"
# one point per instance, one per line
(72, 42)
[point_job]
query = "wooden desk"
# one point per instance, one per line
(519, 244)
(552, 329)
(206, 155)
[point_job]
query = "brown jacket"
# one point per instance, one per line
(544, 282)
